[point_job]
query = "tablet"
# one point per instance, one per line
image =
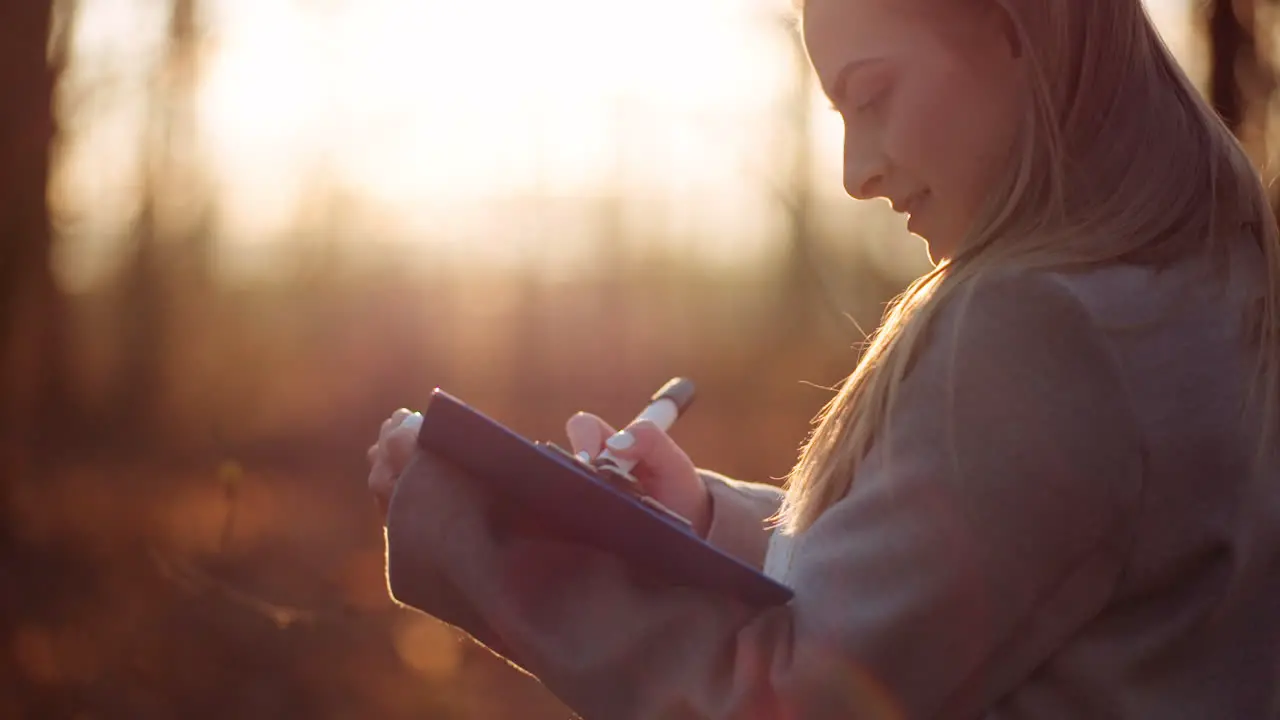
(581, 504)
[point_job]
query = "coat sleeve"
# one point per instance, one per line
(989, 522)
(740, 513)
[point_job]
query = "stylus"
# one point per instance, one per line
(664, 408)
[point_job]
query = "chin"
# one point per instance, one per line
(935, 258)
(940, 248)
(938, 251)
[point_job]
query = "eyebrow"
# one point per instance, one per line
(840, 86)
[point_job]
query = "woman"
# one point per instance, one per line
(1047, 491)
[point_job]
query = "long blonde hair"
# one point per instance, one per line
(1119, 159)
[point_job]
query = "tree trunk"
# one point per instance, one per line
(29, 303)
(1228, 44)
(30, 309)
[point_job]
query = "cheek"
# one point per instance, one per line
(951, 136)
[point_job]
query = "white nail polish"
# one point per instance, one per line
(584, 456)
(413, 422)
(622, 441)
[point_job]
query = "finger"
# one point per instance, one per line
(381, 482)
(373, 453)
(393, 422)
(652, 447)
(399, 447)
(587, 433)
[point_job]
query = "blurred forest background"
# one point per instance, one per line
(238, 234)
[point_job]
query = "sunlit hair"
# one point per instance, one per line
(1120, 160)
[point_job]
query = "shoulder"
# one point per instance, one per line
(1019, 373)
(1014, 319)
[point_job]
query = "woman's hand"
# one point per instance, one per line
(388, 457)
(663, 469)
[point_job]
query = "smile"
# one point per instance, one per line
(913, 202)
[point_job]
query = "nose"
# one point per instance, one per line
(865, 167)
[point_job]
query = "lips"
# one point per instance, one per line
(913, 202)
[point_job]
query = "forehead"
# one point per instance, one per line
(837, 32)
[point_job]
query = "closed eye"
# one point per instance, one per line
(865, 105)
(872, 100)
(840, 94)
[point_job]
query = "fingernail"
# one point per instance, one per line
(413, 422)
(621, 441)
(584, 456)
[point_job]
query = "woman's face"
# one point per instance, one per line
(931, 93)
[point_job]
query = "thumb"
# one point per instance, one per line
(401, 443)
(587, 433)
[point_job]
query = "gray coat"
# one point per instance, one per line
(1061, 521)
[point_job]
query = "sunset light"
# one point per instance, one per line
(423, 106)
(508, 129)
